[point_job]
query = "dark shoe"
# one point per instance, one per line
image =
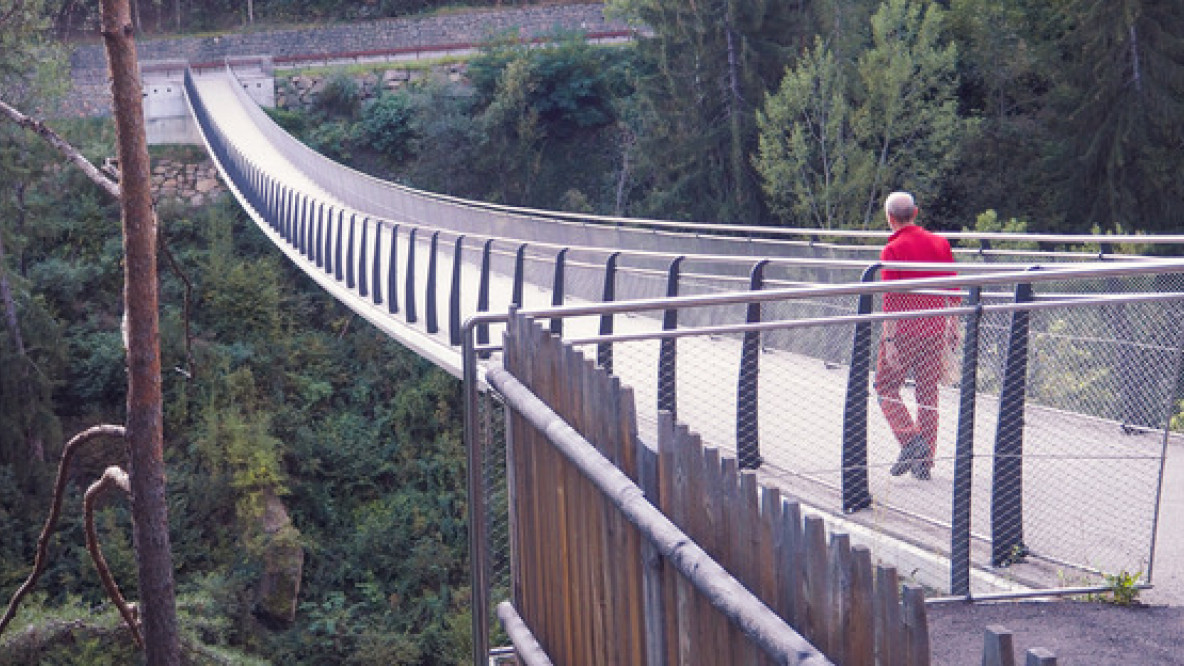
(909, 454)
(921, 469)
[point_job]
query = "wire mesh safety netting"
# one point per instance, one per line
(1045, 462)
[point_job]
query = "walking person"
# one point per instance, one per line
(913, 347)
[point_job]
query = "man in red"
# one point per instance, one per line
(913, 347)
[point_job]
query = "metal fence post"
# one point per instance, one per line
(376, 274)
(964, 452)
(327, 251)
(1007, 482)
(429, 292)
(856, 495)
(557, 286)
(318, 237)
(363, 286)
(667, 350)
(604, 350)
(409, 282)
(478, 537)
(519, 277)
(338, 273)
(350, 254)
(748, 445)
(483, 292)
(454, 294)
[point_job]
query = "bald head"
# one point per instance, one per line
(900, 208)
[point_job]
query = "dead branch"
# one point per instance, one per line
(62, 146)
(112, 476)
(51, 522)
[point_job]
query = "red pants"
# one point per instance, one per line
(921, 359)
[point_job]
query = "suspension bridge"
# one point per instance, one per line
(1054, 421)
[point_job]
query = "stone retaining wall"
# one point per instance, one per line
(192, 184)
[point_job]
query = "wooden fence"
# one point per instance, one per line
(592, 590)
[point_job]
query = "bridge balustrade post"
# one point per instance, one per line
(338, 272)
(964, 451)
(604, 350)
(557, 287)
(409, 283)
(668, 347)
(454, 293)
(392, 273)
(376, 282)
(350, 282)
(1007, 481)
(856, 495)
(319, 238)
(327, 250)
(748, 436)
(519, 276)
(483, 291)
(363, 267)
(429, 292)
(305, 224)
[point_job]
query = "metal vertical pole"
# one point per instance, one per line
(363, 286)
(454, 293)
(604, 350)
(429, 291)
(964, 452)
(376, 275)
(667, 350)
(748, 443)
(856, 495)
(338, 272)
(478, 553)
(350, 254)
(483, 292)
(557, 287)
(519, 277)
(1007, 483)
(328, 249)
(409, 281)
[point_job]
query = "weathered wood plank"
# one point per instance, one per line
(1040, 657)
(861, 642)
(916, 626)
(889, 629)
(816, 582)
(839, 597)
(998, 646)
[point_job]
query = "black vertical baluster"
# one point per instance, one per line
(376, 282)
(964, 452)
(519, 276)
(412, 313)
(748, 443)
(483, 292)
(454, 294)
(1007, 481)
(429, 295)
(349, 253)
(558, 288)
(668, 347)
(856, 495)
(327, 250)
(604, 350)
(338, 272)
(363, 268)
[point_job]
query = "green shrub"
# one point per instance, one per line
(387, 125)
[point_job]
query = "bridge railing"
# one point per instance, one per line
(1053, 425)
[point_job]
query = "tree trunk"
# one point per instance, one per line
(144, 404)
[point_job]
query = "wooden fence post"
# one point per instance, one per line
(861, 644)
(889, 638)
(816, 583)
(998, 649)
(916, 626)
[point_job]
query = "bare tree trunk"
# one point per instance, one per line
(144, 402)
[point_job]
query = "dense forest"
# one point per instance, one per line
(1040, 114)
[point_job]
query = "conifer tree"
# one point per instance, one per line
(706, 70)
(1120, 120)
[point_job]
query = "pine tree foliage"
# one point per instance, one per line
(1120, 142)
(704, 73)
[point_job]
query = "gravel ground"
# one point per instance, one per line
(1078, 633)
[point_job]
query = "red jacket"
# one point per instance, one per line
(912, 243)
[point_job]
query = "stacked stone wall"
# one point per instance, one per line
(193, 184)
